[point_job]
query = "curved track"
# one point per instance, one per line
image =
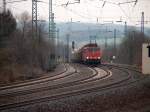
(102, 79)
(59, 82)
(34, 81)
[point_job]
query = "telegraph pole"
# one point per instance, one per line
(105, 42)
(67, 39)
(125, 28)
(142, 23)
(57, 50)
(68, 57)
(106, 39)
(114, 42)
(106, 55)
(57, 36)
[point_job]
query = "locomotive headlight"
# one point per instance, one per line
(87, 57)
(99, 57)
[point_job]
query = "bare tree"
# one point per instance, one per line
(130, 51)
(24, 22)
(7, 26)
(25, 55)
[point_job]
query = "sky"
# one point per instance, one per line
(90, 11)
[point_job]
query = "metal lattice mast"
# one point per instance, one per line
(52, 31)
(34, 17)
(50, 18)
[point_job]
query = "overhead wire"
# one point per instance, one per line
(113, 4)
(83, 15)
(86, 16)
(119, 5)
(76, 13)
(15, 1)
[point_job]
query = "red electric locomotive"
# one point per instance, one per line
(89, 53)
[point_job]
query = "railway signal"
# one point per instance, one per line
(73, 45)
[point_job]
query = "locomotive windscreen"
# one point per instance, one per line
(94, 49)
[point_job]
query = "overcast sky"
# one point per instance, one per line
(87, 10)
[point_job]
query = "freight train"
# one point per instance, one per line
(88, 54)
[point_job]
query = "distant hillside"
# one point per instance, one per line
(81, 32)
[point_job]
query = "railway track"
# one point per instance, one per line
(72, 88)
(62, 85)
(53, 86)
(34, 81)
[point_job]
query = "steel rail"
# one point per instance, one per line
(35, 81)
(57, 96)
(56, 86)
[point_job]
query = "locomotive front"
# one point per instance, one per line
(91, 54)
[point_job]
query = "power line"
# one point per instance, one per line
(87, 17)
(16, 1)
(135, 2)
(83, 16)
(5, 3)
(69, 3)
(124, 12)
(119, 5)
